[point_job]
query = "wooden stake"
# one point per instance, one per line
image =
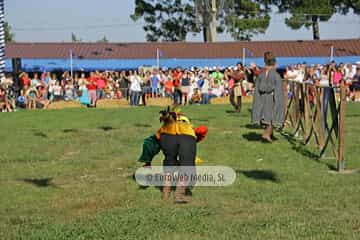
(319, 118)
(341, 147)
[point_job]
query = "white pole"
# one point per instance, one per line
(244, 58)
(157, 58)
(71, 64)
(332, 53)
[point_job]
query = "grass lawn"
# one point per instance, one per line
(67, 174)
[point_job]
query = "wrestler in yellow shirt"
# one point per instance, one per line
(180, 126)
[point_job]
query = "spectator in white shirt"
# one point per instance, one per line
(135, 89)
(350, 72)
(57, 92)
(205, 88)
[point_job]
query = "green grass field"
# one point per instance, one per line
(67, 174)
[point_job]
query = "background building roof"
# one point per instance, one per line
(182, 50)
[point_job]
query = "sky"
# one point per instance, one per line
(90, 20)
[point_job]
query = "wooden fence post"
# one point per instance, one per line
(341, 146)
(307, 111)
(308, 120)
(296, 109)
(319, 118)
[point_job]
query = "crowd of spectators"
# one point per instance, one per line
(183, 86)
(329, 75)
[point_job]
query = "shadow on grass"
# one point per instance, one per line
(231, 111)
(39, 182)
(299, 147)
(234, 113)
(331, 167)
(252, 126)
(40, 134)
(303, 150)
(254, 137)
(106, 128)
(261, 175)
(70, 130)
(237, 112)
(142, 125)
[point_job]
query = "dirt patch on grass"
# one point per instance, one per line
(63, 105)
(91, 206)
(81, 207)
(112, 103)
(225, 100)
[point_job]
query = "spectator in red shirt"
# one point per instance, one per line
(177, 75)
(25, 80)
(168, 84)
(101, 84)
(92, 86)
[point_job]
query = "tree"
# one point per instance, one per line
(308, 13)
(166, 20)
(103, 40)
(172, 20)
(9, 36)
(243, 19)
(74, 38)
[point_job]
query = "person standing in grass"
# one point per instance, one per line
(58, 92)
(185, 87)
(168, 87)
(161, 85)
(83, 93)
(177, 75)
(355, 85)
(269, 102)
(146, 87)
(92, 86)
(123, 82)
(217, 77)
(135, 89)
(238, 77)
(101, 85)
(205, 87)
(154, 81)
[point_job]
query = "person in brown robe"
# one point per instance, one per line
(236, 90)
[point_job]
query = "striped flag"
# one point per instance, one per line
(2, 40)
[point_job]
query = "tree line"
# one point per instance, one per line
(173, 20)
